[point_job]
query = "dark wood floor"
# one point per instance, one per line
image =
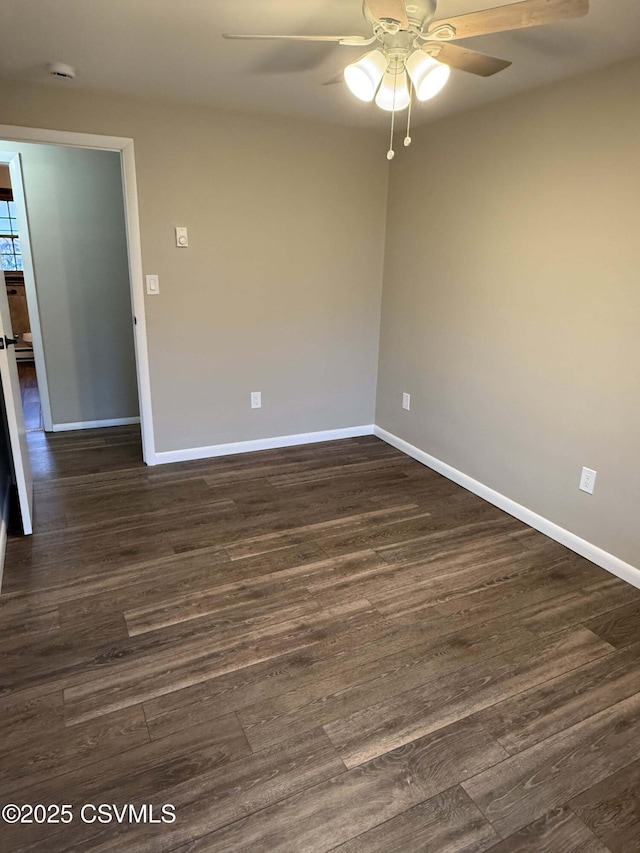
(30, 395)
(323, 648)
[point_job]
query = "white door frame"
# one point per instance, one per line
(125, 148)
(12, 160)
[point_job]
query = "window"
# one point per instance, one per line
(9, 242)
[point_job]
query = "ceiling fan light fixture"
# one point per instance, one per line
(429, 77)
(393, 94)
(363, 77)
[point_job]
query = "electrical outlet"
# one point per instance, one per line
(588, 480)
(256, 399)
(406, 401)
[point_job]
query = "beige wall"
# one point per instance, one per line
(511, 306)
(279, 290)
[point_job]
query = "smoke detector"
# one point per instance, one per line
(59, 69)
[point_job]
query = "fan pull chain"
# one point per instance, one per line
(391, 153)
(407, 139)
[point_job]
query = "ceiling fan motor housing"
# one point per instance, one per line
(420, 14)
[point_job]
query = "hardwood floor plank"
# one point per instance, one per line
(580, 606)
(436, 543)
(558, 831)
(148, 677)
(324, 472)
(363, 640)
(370, 645)
(339, 694)
(79, 616)
(447, 823)
(528, 784)
(27, 715)
(299, 565)
(261, 544)
(490, 589)
(99, 501)
(354, 802)
(89, 651)
(59, 554)
(397, 720)
(610, 809)
(620, 626)
(533, 716)
(530, 538)
(225, 792)
(139, 775)
(96, 579)
(27, 621)
(38, 759)
(284, 603)
(409, 587)
(410, 531)
(168, 580)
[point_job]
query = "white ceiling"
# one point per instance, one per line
(173, 48)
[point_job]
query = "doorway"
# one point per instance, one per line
(124, 177)
(11, 253)
(33, 372)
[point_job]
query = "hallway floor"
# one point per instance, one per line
(320, 648)
(30, 396)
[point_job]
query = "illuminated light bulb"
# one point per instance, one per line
(363, 77)
(393, 83)
(428, 76)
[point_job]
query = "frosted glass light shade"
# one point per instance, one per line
(385, 96)
(427, 74)
(363, 77)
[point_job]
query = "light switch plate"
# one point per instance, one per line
(153, 285)
(256, 399)
(182, 238)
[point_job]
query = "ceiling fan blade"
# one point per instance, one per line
(470, 60)
(515, 16)
(356, 40)
(394, 10)
(339, 78)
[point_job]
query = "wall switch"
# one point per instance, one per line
(182, 238)
(153, 285)
(588, 480)
(256, 399)
(406, 401)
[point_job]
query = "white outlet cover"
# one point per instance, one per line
(406, 401)
(588, 480)
(256, 399)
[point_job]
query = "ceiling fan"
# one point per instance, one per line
(414, 52)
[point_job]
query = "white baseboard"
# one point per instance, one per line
(213, 450)
(592, 552)
(95, 424)
(4, 521)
